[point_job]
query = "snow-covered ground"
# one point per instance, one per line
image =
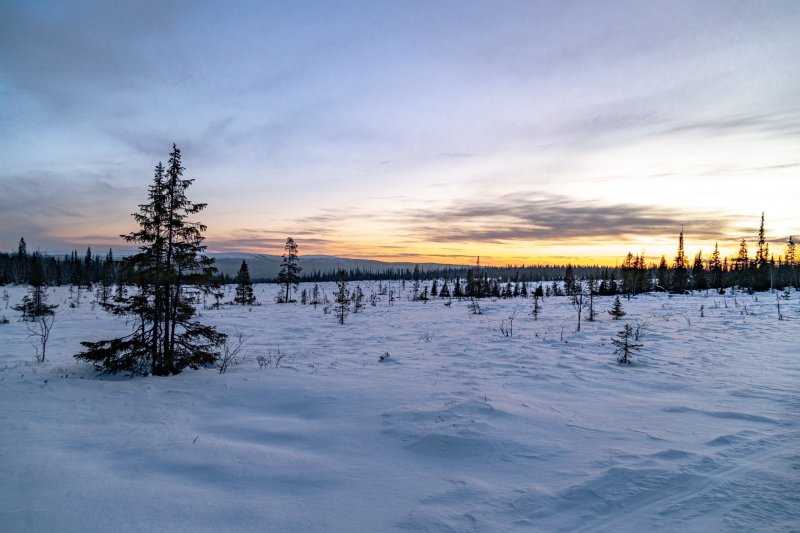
(460, 429)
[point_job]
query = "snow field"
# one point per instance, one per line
(460, 429)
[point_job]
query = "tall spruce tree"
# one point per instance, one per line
(663, 275)
(569, 280)
(699, 280)
(21, 270)
(164, 339)
(715, 266)
(762, 274)
(289, 275)
(742, 267)
(790, 262)
(680, 270)
(244, 286)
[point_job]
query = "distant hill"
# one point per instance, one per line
(267, 266)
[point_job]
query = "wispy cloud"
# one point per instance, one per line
(556, 219)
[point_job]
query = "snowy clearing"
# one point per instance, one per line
(460, 429)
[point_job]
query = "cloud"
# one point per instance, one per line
(556, 219)
(781, 124)
(39, 205)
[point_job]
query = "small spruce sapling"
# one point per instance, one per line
(624, 348)
(537, 307)
(616, 311)
(315, 301)
(358, 299)
(342, 298)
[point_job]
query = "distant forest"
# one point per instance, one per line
(762, 271)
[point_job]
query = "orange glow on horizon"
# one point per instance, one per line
(609, 255)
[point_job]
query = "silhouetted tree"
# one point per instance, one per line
(536, 308)
(289, 275)
(34, 304)
(444, 292)
(357, 299)
(790, 262)
(663, 275)
(699, 280)
(715, 267)
(315, 297)
(342, 297)
(20, 270)
(761, 280)
(680, 270)
(624, 347)
(244, 286)
(165, 338)
(616, 311)
(569, 281)
(741, 266)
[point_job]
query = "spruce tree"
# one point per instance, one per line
(357, 299)
(164, 339)
(21, 264)
(106, 279)
(715, 266)
(289, 275)
(742, 267)
(679, 271)
(790, 262)
(34, 304)
(471, 288)
(569, 280)
(315, 301)
(244, 286)
(623, 346)
(616, 311)
(342, 298)
(699, 280)
(444, 292)
(663, 275)
(87, 269)
(537, 308)
(762, 275)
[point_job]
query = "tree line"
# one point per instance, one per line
(759, 272)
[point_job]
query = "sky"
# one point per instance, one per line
(520, 132)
